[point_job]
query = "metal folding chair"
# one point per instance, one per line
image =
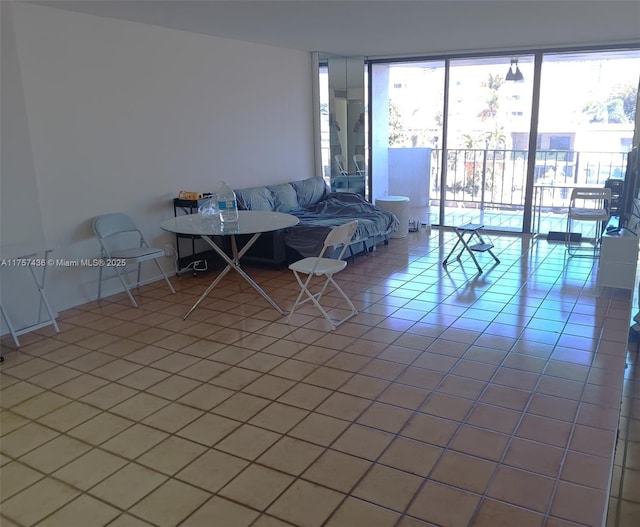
(588, 204)
(108, 228)
(325, 267)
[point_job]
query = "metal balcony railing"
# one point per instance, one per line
(495, 179)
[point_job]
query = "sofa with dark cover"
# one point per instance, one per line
(318, 210)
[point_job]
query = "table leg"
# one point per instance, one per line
(234, 263)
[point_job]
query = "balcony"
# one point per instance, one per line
(488, 186)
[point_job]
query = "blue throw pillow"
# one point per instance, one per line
(255, 198)
(310, 191)
(284, 198)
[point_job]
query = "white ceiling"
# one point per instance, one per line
(386, 28)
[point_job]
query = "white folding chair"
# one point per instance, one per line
(358, 161)
(323, 266)
(341, 166)
(588, 204)
(112, 231)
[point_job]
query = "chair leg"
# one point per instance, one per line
(138, 277)
(303, 289)
(315, 298)
(166, 278)
(126, 287)
(99, 283)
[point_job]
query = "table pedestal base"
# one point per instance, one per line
(233, 262)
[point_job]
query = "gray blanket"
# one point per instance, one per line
(337, 208)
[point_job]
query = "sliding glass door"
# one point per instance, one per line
(585, 130)
(470, 139)
(407, 101)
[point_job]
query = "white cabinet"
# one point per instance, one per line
(618, 260)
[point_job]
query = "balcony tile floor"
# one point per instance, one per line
(452, 399)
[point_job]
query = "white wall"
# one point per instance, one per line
(120, 116)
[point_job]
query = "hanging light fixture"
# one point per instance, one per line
(514, 73)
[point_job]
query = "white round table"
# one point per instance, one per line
(398, 206)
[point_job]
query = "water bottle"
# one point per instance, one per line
(227, 204)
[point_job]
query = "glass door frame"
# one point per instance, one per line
(527, 225)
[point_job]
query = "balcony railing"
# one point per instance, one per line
(495, 179)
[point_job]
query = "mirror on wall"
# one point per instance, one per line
(346, 122)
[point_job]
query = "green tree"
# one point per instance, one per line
(618, 107)
(397, 133)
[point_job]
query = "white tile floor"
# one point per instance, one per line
(451, 399)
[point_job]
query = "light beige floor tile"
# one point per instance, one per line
(241, 406)
(373, 390)
(411, 456)
(269, 521)
(319, 429)
(525, 489)
(447, 406)
(173, 454)
(69, 416)
(629, 514)
(385, 417)
(89, 469)
(388, 487)
(306, 504)
(430, 429)
(235, 378)
(212, 470)
(38, 501)
(128, 485)
(40, 405)
(81, 385)
(16, 477)
(170, 503)
(363, 441)
(24, 439)
(116, 369)
(357, 512)
(172, 417)
(444, 505)
(55, 453)
(135, 440)
(363, 386)
(224, 511)
(496, 514)
(205, 397)
(544, 430)
(305, 396)
(269, 387)
(84, 510)
(343, 406)
(290, 455)
(494, 418)
(257, 487)
(173, 387)
(144, 378)
(479, 442)
(583, 469)
(248, 442)
(100, 428)
(408, 397)
(108, 396)
(535, 457)
(578, 504)
(10, 422)
(465, 472)
(208, 429)
(278, 417)
(337, 470)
